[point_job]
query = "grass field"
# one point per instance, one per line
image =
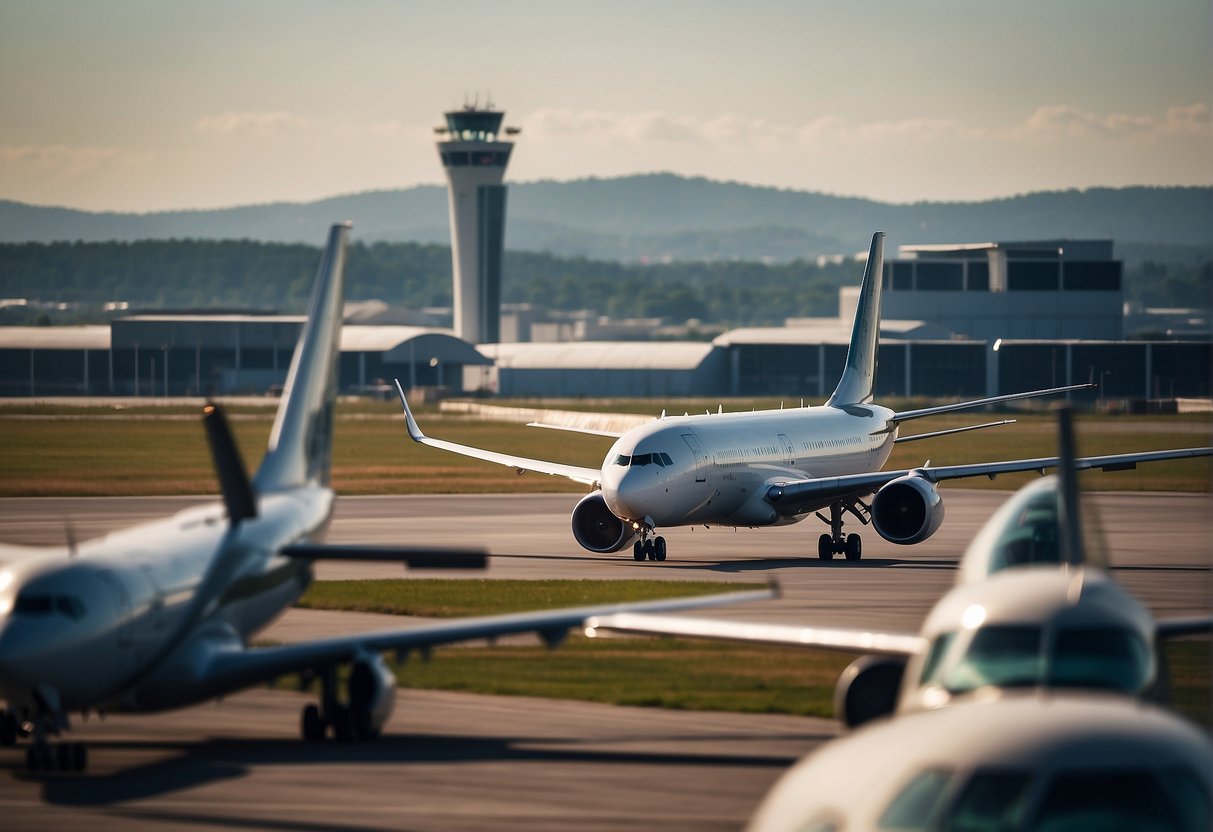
(668, 673)
(57, 451)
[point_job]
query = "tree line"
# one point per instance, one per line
(244, 274)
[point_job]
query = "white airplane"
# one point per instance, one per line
(1034, 607)
(776, 467)
(1055, 762)
(159, 616)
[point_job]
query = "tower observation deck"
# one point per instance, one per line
(475, 151)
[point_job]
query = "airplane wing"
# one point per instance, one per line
(906, 415)
(414, 557)
(613, 434)
(1175, 627)
(840, 640)
(223, 665)
(589, 476)
(792, 497)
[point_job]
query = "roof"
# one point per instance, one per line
(93, 337)
(812, 331)
(599, 355)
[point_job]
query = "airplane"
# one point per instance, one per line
(1034, 607)
(1058, 761)
(159, 616)
(778, 467)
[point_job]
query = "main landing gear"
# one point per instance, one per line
(834, 543)
(348, 722)
(647, 549)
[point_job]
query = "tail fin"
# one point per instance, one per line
(300, 447)
(859, 375)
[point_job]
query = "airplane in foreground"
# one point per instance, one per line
(777, 467)
(1050, 678)
(1034, 608)
(159, 616)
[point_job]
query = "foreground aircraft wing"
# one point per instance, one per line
(822, 638)
(788, 498)
(225, 665)
(589, 476)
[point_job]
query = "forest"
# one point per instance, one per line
(248, 275)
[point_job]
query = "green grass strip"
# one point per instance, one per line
(453, 598)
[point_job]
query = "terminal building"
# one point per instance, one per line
(959, 321)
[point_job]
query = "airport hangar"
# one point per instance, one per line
(960, 320)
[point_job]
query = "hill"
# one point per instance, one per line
(662, 216)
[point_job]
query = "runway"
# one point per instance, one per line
(456, 761)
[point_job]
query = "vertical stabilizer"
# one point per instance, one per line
(859, 375)
(300, 446)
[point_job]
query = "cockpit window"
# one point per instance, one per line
(1032, 537)
(34, 603)
(623, 459)
(915, 804)
(1100, 657)
(1000, 656)
(991, 800)
(661, 459)
(1116, 801)
(939, 649)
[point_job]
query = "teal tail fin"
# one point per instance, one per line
(859, 375)
(300, 446)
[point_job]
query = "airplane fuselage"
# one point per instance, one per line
(715, 469)
(106, 627)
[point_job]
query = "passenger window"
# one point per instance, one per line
(917, 802)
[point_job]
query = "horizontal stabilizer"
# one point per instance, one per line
(613, 434)
(933, 434)
(414, 558)
(229, 466)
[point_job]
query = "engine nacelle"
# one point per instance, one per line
(372, 690)
(907, 510)
(868, 689)
(597, 529)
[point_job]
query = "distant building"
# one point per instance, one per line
(1037, 289)
(474, 153)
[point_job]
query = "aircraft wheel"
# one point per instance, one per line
(312, 726)
(638, 550)
(8, 728)
(825, 547)
(659, 549)
(854, 547)
(343, 724)
(79, 756)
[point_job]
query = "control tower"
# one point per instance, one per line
(475, 153)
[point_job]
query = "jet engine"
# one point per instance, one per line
(597, 529)
(868, 689)
(907, 510)
(372, 690)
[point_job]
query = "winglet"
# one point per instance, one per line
(859, 375)
(409, 421)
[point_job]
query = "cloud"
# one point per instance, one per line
(250, 122)
(66, 161)
(1060, 121)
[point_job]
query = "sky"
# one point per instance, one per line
(145, 105)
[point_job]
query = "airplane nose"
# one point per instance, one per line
(625, 498)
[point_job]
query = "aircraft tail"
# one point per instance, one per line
(300, 446)
(859, 375)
